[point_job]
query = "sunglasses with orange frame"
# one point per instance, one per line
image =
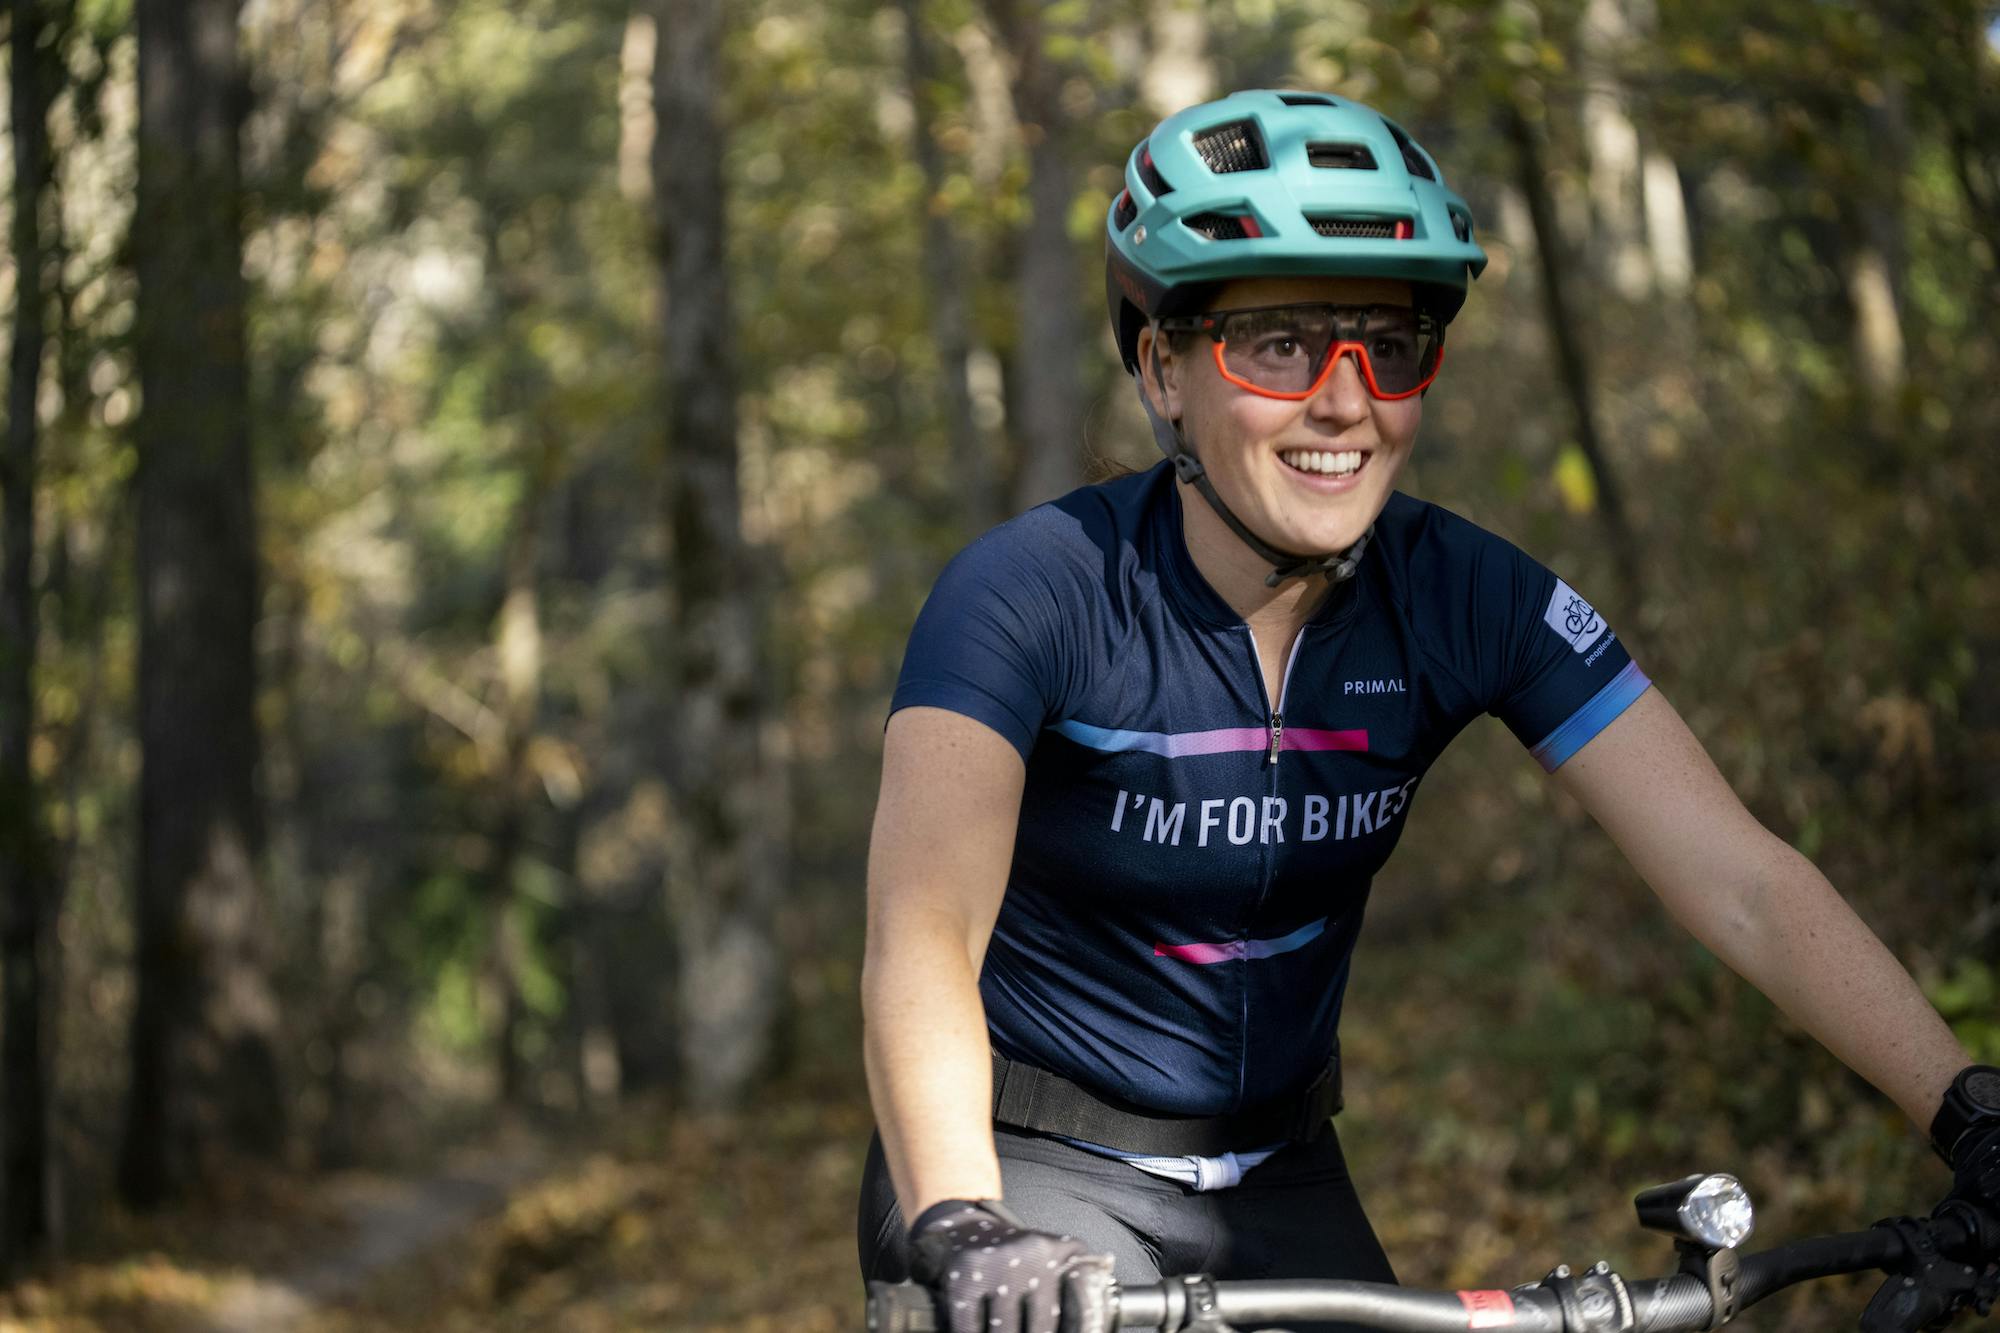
(1289, 351)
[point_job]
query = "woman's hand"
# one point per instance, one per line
(1975, 1170)
(995, 1275)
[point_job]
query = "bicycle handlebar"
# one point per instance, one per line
(1598, 1301)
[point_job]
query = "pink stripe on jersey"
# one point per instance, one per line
(1223, 740)
(1230, 950)
(1312, 738)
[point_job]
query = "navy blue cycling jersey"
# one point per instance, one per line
(1193, 859)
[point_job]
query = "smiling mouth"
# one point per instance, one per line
(1325, 462)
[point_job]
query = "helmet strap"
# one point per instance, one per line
(1338, 567)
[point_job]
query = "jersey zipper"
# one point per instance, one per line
(1276, 714)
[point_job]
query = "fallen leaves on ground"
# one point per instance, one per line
(1500, 1117)
(742, 1223)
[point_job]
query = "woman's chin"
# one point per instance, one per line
(1327, 543)
(1330, 532)
(1320, 523)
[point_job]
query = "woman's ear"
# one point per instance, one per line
(1161, 377)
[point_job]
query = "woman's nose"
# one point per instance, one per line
(1344, 396)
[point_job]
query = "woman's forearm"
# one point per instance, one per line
(937, 872)
(930, 1070)
(1761, 906)
(1796, 939)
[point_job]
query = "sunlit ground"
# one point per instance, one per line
(1486, 1124)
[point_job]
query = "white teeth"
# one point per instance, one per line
(1320, 461)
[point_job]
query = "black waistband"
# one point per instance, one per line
(1030, 1098)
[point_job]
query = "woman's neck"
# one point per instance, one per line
(1237, 573)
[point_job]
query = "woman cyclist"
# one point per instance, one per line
(1152, 740)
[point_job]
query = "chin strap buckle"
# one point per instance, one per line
(1338, 567)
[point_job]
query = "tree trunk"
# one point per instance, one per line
(81, 591)
(617, 837)
(340, 948)
(1611, 142)
(26, 892)
(519, 647)
(1963, 88)
(1667, 232)
(204, 1025)
(1047, 389)
(1569, 345)
(948, 285)
(1178, 72)
(1875, 259)
(723, 884)
(990, 111)
(1878, 328)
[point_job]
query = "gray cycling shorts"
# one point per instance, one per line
(1295, 1216)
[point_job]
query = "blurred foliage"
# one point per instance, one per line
(455, 329)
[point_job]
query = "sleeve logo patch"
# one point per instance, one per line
(1572, 618)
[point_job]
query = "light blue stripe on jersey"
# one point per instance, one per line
(1592, 718)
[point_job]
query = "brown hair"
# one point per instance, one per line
(1102, 467)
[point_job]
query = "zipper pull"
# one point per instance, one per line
(1277, 734)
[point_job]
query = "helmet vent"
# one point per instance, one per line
(1360, 228)
(1126, 211)
(1462, 226)
(1341, 156)
(1221, 227)
(1231, 147)
(1306, 99)
(1412, 158)
(1150, 174)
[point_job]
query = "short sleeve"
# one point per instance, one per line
(1565, 675)
(988, 643)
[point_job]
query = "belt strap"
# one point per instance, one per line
(1029, 1098)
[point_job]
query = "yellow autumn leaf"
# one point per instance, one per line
(1575, 482)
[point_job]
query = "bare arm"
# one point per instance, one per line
(1759, 905)
(937, 868)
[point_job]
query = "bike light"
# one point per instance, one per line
(1711, 1210)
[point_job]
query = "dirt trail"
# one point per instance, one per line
(392, 1219)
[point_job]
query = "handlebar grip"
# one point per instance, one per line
(901, 1307)
(1967, 1232)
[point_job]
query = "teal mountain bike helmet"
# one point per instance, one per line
(1267, 183)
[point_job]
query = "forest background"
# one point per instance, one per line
(442, 711)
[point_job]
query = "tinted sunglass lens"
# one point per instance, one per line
(1279, 349)
(1402, 351)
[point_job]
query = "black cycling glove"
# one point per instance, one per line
(1927, 1290)
(1975, 1174)
(992, 1274)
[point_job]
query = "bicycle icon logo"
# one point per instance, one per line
(1579, 617)
(1575, 619)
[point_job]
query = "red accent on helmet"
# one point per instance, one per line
(1250, 227)
(1404, 229)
